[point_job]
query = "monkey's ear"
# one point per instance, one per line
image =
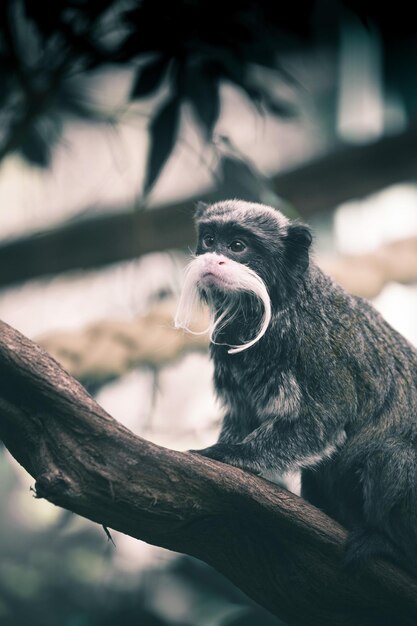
(297, 244)
(200, 207)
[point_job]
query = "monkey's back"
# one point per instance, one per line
(345, 336)
(371, 482)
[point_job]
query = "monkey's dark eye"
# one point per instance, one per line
(237, 246)
(208, 241)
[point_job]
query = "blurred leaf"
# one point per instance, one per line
(73, 99)
(46, 15)
(38, 141)
(163, 131)
(237, 74)
(96, 8)
(7, 74)
(148, 78)
(285, 74)
(254, 94)
(50, 14)
(239, 179)
(203, 92)
(280, 107)
(258, 94)
(35, 148)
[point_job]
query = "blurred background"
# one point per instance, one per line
(116, 116)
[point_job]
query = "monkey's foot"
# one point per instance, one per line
(228, 453)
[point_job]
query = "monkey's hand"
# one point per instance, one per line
(232, 454)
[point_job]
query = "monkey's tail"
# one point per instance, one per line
(367, 543)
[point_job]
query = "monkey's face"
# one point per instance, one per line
(247, 255)
(226, 284)
(230, 256)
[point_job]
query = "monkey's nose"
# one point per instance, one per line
(221, 262)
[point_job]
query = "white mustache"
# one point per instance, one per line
(232, 279)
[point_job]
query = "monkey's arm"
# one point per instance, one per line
(281, 445)
(228, 435)
(234, 429)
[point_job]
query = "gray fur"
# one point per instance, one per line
(331, 388)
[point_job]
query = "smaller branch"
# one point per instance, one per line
(349, 172)
(109, 348)
(108, 534)
(367, 274)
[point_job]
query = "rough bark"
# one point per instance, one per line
(323, 183)
(281, 551)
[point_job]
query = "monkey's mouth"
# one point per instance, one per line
(210, 279)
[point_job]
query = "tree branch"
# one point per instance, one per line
(323, 183)
(281, 551)
(367, 274)
(108, 348)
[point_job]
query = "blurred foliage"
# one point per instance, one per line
(49, 50)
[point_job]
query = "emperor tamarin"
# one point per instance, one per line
(311, 377)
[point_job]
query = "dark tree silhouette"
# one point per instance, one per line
(49, 51)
